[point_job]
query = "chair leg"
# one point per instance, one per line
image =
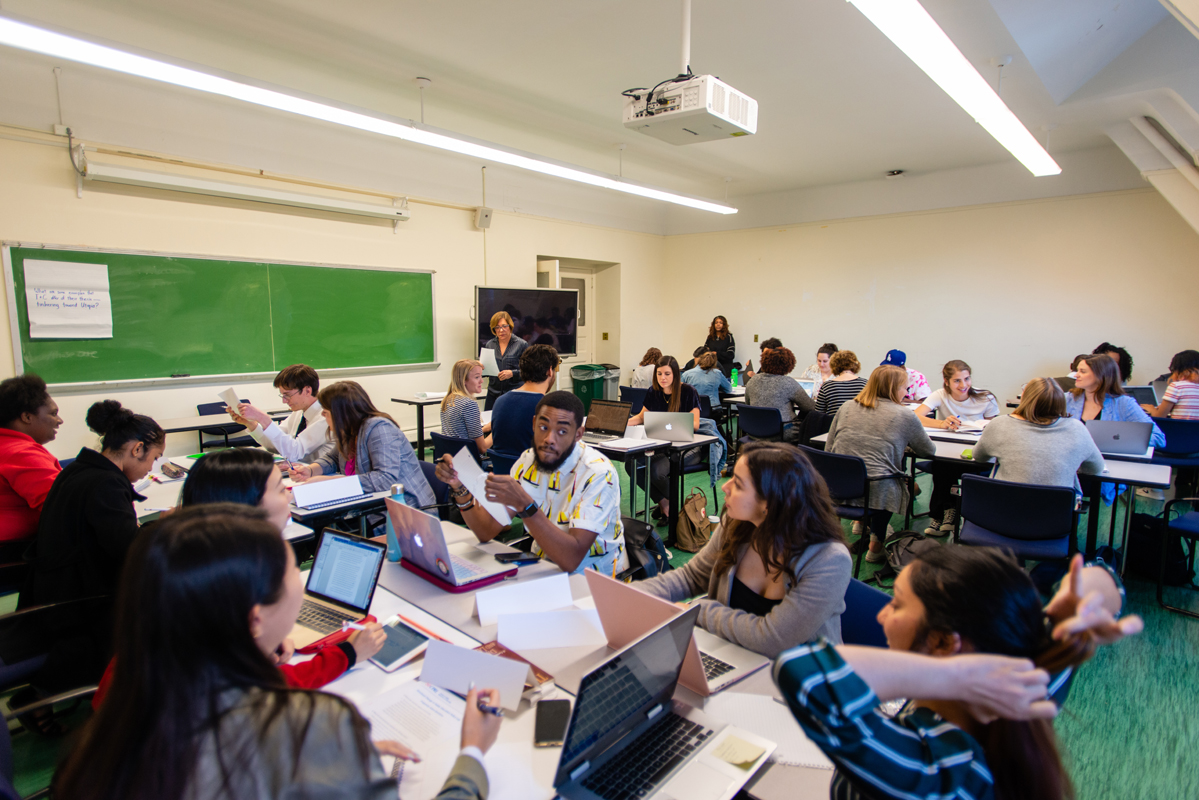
(1161, 578)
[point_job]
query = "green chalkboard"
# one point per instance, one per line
(180, 315)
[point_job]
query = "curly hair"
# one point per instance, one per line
(844, 361)
(779, 361)
(651, 357)
(1123, 358)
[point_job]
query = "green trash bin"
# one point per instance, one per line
(588, 383)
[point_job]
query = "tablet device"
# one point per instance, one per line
(403, 644)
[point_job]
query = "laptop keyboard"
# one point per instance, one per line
(464, 570)
(714, 667)
(599, 437)
(645, 763)
(323, 619)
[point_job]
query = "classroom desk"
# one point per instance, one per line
(420, 403)
(642, 451)
(160, 496)
(318, 518)
(187, 424)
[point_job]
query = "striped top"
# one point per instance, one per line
(916, 754)
(1185, 397)
(461, 419)
(834, 394)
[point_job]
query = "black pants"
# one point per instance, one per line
(946, 475)
(879, 520)
(659, 473)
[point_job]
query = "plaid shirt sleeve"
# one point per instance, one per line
(917, 755)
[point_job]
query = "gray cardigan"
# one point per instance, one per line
(384, 457)
(811, 608)
(778, 391)
(879, 437)
(1047, 455)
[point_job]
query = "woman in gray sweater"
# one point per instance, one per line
(876, 427)
(1038, 443)
(773, 387)
(775, 572)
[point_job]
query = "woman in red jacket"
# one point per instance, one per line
(249, 477)
(28, 420)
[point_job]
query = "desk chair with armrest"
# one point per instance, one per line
(224, 431)
(1038, 523)
(1181, 451)
(635, 396)
(763, 423)
(1186, 527)
(443, 445)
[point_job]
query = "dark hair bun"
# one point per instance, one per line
(106, 415)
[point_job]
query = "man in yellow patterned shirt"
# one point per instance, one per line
(566, 491)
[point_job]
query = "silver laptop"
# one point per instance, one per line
(627, 614)
(670, 426)
(808, 386)
(422, 543)
(606, 421)
(1144, 395)
(340, 586)
(1159, 391)
(1121, 438)
(628, 738)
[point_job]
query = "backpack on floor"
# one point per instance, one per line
(902, 549)
(645, 549)
(694, 528)
(1144, 552)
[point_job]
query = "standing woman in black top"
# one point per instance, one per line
(508, 348)
(668, 393)
(87, 525)
(720, 341)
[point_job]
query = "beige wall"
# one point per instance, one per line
(1015, 289)
(38, 204)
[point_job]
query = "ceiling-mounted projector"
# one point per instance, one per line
(689, 109)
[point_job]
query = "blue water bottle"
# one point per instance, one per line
(393, 543)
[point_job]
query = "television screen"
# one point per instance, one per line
(539, 316)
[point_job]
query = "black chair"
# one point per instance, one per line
(759, 422)
(859, 620)
(1181, 450)
(204, 409)
(705, 407)
(443, 444)
(814, 424)
(13, 567)
(1186, 527)
(1034, 522)
(847, 480)
(635, 396)
(441, 492)
(501, 462)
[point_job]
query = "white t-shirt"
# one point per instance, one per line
(972, 410)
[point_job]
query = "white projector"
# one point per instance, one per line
(700, 109)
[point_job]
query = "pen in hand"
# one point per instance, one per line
(486, 709)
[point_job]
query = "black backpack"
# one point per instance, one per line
(1144, 552)
(902, 549)
(645, 549)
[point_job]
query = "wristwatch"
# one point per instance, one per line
(527, 511)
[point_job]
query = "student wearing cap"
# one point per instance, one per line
(917, 388)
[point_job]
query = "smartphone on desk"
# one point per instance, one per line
(519, 558)
(549, 728)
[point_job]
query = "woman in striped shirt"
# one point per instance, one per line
(972, 647)
(460, 416)
(1181, 400)
(844, 384)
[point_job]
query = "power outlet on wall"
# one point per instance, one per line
(605, 336)
(755, 337)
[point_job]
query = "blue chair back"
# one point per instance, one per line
(635, 396)
(1020, 511)
(1182, 437)
(66, 462)
(705, 407)
(441, 491)
(760, 422)
(845, 475)
(204, 409)
(443, 444)
(859, 620)
(501, 462)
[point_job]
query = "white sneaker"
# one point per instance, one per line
(857, 529)
(951, 517)
(934, 527)
(876, 556)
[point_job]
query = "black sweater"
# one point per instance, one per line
(726, 352)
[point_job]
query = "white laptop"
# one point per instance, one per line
(628, 739)
(340, 586)
(322, 494)
(670, 426)
(422, 544)
(808, 386)
(627, 614)
(1121, 438)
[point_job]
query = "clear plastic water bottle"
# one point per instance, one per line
(393, 543)
(733, 379)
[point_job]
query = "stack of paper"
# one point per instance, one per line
(765, 716)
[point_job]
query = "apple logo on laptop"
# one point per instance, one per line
(416, 538)
(669, 426)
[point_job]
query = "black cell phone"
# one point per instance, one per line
(519, 558)
(549, 728)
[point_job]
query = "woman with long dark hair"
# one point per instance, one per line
(198, 708)
(720, 341)
(668, 393)
(369, 445)
(775, 571)
(972, 649)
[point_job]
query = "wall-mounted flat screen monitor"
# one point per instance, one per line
(540, 316)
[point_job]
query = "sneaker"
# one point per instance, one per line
(934, 527)
(876, 556)
(857, 529)
(951, 517)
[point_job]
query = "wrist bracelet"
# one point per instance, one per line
(460, 491)
(466, 507)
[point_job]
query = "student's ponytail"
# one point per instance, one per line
(118, 425)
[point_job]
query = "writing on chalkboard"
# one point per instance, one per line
(67, 300)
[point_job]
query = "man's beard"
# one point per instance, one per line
(551, 466)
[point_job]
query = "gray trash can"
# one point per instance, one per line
(611, 382)
(588, 383)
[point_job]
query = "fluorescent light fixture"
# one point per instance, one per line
(111, 173)
(909, 26)
(39, 40)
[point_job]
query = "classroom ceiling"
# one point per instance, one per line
(838, 103)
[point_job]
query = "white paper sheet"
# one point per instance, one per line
(426, 720)
(765, 716)
(66, 300)
(230, 397)
(430, 395)
(572, 627)
(456, 668)
(490, 367)
(475, 480)
(543, 594)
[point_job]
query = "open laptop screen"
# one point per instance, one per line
(607, 417)
(611, 695)
(346, 569)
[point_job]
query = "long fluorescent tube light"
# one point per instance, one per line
(29, 37)
(909, 26)
(111, 173)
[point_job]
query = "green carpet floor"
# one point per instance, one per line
(1127, 730)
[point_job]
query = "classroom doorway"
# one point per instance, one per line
(598, 285)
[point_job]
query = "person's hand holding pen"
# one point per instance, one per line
(481, 720)
(301, 472)
(952, 423)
